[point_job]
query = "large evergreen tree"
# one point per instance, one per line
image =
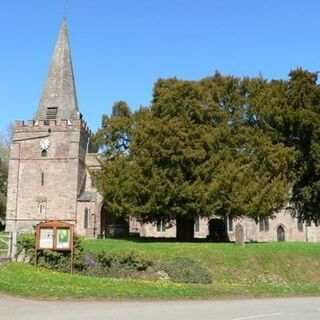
(195, 152)
(292, 115)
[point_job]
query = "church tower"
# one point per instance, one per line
(47, 167)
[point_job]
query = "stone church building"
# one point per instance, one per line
(49, 174)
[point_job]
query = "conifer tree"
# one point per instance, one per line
(198, 150)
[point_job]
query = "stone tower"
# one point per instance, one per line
(47, 170)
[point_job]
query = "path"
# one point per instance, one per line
(254, 309)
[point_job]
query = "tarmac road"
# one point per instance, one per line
(262, 309)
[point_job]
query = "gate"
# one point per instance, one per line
(5, 246)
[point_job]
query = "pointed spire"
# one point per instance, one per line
(59, 99)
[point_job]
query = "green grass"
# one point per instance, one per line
(227, 262)
(267, 269)
(27, 281)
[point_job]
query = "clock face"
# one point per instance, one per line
(44, 144)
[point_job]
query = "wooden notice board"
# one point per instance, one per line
(54, 235)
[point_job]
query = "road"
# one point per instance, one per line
(261, 309)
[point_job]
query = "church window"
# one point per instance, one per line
(52, 113)
(44, 153)
(161, 226)
(197, 224)
(300, 225)
(40, 208)
(42, 178)
(264, 224)
(230, 224)
(86, 218)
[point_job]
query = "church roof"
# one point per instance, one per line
(59, 98)
(86, 196)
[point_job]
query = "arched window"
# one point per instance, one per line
(86, 218)
(42, 178)
(281, 234)
(196, 224)
(264, 224)
(161, 225)
(230, 224)
(44, 153)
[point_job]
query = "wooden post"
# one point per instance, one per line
(72, 245)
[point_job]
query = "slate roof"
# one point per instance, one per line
(86, 196)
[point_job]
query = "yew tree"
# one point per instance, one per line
(195, 152)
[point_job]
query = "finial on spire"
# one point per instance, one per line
(65, 9)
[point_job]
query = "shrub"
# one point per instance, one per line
(134, 259)
(105, 258)
(59, 261)
(184, 269)
(26, 246)
(124, 259)
(79, 257)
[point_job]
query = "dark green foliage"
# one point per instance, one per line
(304, 135)
(184, 269)
(26, 245)
(115, 135)
(3, 188)
(4, 160)
(288, 111)
(78, 254)
(132, 259)
(54, 260)
(202, 147)
(118, 264)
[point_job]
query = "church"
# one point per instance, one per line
(51, 158)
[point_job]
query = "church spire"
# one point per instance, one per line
(59, 99)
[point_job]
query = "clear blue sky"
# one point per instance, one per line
(121, 47)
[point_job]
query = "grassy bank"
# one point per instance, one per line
(270, 269)
(27, 281)
(227, 262)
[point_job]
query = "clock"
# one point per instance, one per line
(44, 144)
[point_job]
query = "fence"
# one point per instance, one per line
(5, 246)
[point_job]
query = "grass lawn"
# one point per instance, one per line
(268, 269)
(227, 262)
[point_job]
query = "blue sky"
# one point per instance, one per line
(121, 47)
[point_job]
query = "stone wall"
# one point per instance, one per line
(251, 229)
(44, 188)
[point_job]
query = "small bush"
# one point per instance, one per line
(79, 257)
(117, 263)
(124, 259)
(26, 246)
(184, 269)
(105, 258)
(58, 261)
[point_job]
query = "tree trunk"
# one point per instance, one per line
(185, 228)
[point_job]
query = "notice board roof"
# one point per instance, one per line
(54, 223)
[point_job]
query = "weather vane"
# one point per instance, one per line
(65, 7)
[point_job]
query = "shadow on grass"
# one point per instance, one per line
(138, 239)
